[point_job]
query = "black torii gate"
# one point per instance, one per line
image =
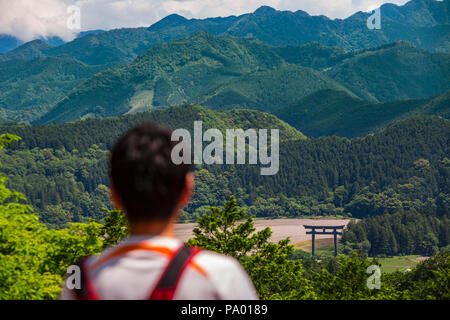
(325, 230)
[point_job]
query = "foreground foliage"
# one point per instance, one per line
(279, 274)
(273, 274)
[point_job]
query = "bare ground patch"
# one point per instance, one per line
(281, 228)
(306, 245)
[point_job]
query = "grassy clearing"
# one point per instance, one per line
(398, 263)
(325, 248)
(306, 245)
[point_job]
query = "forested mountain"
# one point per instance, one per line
(103, 132)
(27, 51)
(268, 90)
(28, 70)
(28, 88)
(438, 105)
(63, 167)
(330, 112)
(423, 22)
(393, 72)
(314, 55)
(113, 47)
(65, 177)
(168, 74)
(228, 72)
(8, 42)
(117, 46)
(205, 70)
(401, 233)
(324, 77)
(404, 166)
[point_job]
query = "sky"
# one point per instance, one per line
(31, 19)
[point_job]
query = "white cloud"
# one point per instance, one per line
(29, 19)
(335, 8)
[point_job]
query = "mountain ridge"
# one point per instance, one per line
(203, 68)
(330, 112)
(423, 22)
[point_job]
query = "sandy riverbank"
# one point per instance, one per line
(281, 228)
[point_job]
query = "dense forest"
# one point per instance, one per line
(63, 168)
(400, 233)
(330, 112)
(34, 259)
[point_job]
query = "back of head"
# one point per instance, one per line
(143, 175)
(151, 188)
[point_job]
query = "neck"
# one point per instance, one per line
(162, 228)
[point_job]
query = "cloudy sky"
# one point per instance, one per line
(29, 19)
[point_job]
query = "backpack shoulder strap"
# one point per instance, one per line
(87, 290)
(167, 284)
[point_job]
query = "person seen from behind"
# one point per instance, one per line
(152, 263)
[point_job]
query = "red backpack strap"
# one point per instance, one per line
(168, 282)
(87, 290)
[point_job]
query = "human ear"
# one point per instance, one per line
(115, 198)
(188, 190)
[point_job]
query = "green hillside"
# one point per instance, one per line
(313, 55)
(423, 22)
(168, 74)
(103, 132)
(27, 51)
(28, 88)
(62, 168)
(438, 106)
(394, 72)
(45, 84)
(228, 72)
(330, 112)
(270, 89)
(117, 46)
(190, 65)
(8, 43)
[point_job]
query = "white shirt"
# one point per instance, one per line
(134, 274)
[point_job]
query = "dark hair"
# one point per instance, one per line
(143, 175)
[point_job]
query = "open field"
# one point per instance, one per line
(281, 228)
(306, 245)
(293, 228)
(399, 263)
(324, 246)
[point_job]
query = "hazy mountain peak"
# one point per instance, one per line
(38, 44)
(28, 50)
(418, 12)
(85, 33)
(169, 21)
(264, 10)
(302, 13)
